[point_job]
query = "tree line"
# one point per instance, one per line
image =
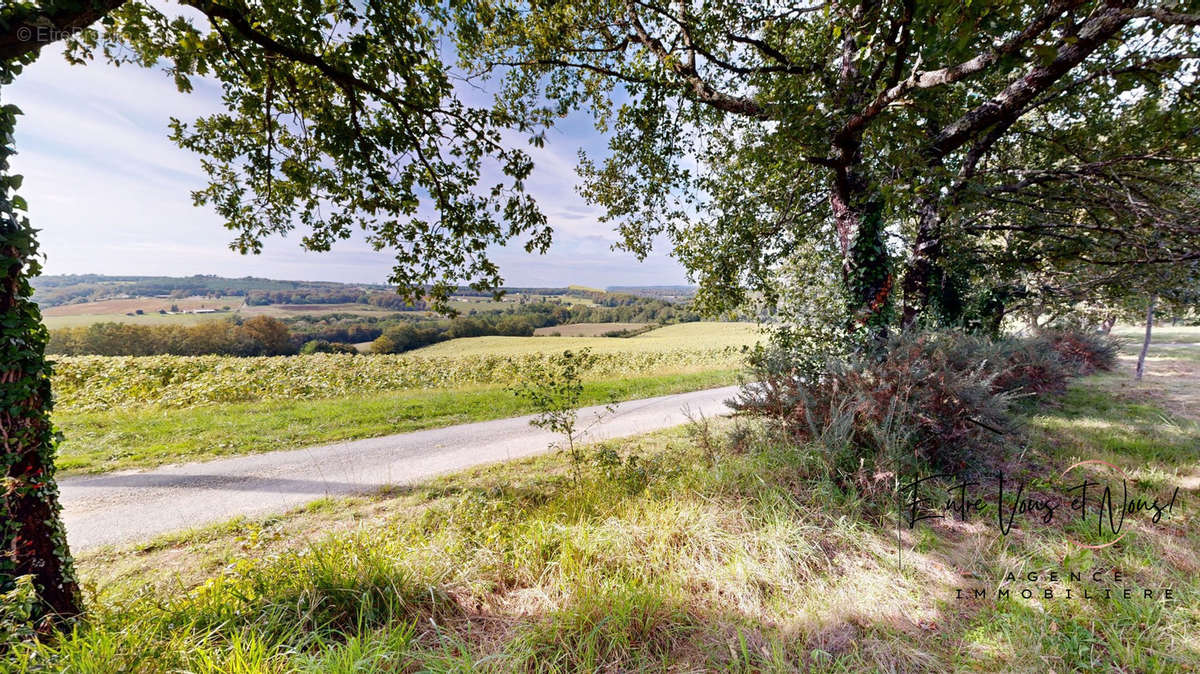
(256, 336)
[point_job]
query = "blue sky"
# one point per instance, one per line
(111, 195)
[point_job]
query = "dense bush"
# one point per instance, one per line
(322, 346)
(939, 397)
(1085, 352)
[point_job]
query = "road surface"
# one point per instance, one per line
(135, 505)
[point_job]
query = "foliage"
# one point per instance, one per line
(18, 611)
(942, 149)
(254, 336)
(554, 386)
(1085, 353)
(33, 541)
(336, 117)
(322, 346)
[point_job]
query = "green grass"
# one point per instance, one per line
(730, 550)
(142, 437)
(681, 336)
(1160, 333)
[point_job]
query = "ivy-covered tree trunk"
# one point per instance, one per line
(866, 264)
(32, 539)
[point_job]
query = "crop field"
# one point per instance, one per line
(146, 304)
(117, 310)
(293, 310)
(100, 383)
(685, 336)
(129, 412)
(585, 329)
(84, 320)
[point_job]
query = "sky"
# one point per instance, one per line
(111, 194)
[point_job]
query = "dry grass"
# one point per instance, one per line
(146, 304)
(585, 329)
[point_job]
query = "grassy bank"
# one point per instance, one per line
(143, 437)
(729, 551)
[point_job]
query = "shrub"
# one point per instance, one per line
(939, 397)
(1029, 368)
(324, 346)
(1086, 353)
(919, 395)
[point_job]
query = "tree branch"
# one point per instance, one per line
(30, 30)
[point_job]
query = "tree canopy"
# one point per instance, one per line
(911, 142)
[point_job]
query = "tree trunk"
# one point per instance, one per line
(866, 264)
(1141, 364)
(32, 539)
(926, 251)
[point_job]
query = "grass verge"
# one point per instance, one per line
(139, 438)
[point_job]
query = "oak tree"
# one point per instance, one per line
(759, 135)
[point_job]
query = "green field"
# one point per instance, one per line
(702, 335)
(1159, 334)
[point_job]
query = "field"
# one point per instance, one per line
(147, 304)
(585, 329)
(293, 310)
(672, 337)
(115, 310)
(715, 550)
(1161, 334)
(127, 412)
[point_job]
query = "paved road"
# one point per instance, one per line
(128, 506)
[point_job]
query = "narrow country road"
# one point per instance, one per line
(135, 505)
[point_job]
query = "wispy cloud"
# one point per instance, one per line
(112, 195)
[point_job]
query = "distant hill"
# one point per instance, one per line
(52, 291)
(672, 293)
(57, 290)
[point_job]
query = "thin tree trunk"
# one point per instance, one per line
(1141, 364)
